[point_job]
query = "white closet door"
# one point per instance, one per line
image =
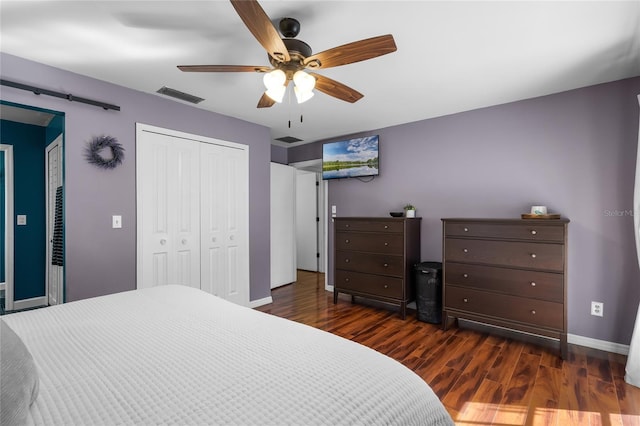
(224, 207)
(283, 225)
(192, 212)
(169, 185)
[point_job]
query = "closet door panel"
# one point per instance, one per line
(170, 207)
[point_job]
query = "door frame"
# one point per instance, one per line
(9, 236)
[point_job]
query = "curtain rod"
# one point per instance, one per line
(68, 96)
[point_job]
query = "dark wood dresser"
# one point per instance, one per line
(510, 273)
(374, 258)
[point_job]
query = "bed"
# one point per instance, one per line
(178, 355)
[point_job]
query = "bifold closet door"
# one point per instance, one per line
(169, 186)
(224, 215)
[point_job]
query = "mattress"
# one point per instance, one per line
(178, 355)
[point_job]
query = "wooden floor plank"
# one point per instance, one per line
(545, 400)
(629, 401)
(481, 378)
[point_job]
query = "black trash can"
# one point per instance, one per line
(429, 291)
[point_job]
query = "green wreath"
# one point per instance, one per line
(97, 145)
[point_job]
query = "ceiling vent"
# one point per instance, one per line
(179, 95)
(288, 139)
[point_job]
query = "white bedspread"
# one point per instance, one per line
(176, 355)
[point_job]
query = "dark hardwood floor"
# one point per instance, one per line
(482, 379)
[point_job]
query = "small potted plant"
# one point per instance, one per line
(409, 210)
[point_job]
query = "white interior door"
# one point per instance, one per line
(54, 268)
(307, 221)
(283, 225)
(169, 186)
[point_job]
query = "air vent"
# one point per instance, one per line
(179, 95)
(288, 139)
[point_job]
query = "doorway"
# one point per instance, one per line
(28, 131)
(311, 217)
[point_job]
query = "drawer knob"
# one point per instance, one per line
(386, 244)
(386, 286)
(346, 261)
(465, 300)
(534, 232)
(346, 241)
(466, 229)
(465, 250)
(386, 265)
(386, 227)
(533, 312)
(346, 280)
(533, 255)
(465, 275)
(533, 284)
(347, 225)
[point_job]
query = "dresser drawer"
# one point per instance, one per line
(514, 308)
(377, 285)
(375, 243)
(531, 230)
(370, 263)
(534, 284)
(370, 225)
(509, 253)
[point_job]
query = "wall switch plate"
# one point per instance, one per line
(116, 221)
(21, 219)
(597, 308)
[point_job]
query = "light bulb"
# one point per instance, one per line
(276, 93)
(302, 95)
(304, 81)
(274, 79)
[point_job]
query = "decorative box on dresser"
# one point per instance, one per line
(510, 273)
(374, 258)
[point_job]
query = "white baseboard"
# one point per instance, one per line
(34, 302)
(602, 345)
(260, 302)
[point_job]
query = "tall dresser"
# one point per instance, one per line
(374, 258)
(510, 273)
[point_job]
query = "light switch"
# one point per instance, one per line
(117, 221)
(21, 219)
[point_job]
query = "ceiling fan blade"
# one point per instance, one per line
(265, 101)
(352, 52)
(257, 21)
(223, 68)
(336, 89)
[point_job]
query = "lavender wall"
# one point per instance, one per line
(573, 151)
(279, 154)
(99, 259)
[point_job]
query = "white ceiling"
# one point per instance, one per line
(452, 56)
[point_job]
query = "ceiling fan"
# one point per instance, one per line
(289, 57)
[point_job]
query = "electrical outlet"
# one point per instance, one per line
(597, 308)
(116, 221)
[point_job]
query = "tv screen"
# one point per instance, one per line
(350, 158)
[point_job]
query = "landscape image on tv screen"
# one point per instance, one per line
(350, 158)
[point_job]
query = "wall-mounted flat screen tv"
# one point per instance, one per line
(350, 158)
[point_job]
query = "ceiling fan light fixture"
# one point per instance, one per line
(276, 93)
(274, 79)
(304, 81)
(302, 95)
